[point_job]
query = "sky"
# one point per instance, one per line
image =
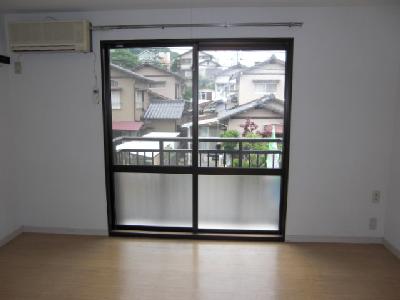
(247, 58)
(229, 58)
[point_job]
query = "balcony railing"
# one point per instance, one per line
(213, 152)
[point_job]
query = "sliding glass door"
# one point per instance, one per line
(196, 136)
(150, 101)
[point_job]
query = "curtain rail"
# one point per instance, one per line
(198, 25)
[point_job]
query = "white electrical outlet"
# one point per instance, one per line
(373, 223)
(376, 196)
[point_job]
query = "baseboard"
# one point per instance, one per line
(51, 230)
(332, 239)
(10, 236)
(391, 248)
(60, 230)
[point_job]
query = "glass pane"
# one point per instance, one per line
(151, 101)
(242, 202)
(153, 199)
(241, 108)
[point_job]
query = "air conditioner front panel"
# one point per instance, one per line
(50, 36)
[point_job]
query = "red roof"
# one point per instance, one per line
(127, 125)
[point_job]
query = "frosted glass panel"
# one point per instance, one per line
(153, 199)
(245, 202)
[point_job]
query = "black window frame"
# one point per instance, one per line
(194, 232)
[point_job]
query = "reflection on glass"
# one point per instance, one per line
(153, 199)
(241, 108)
(151, 101)
(241, 202)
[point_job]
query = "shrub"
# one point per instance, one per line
(230, 134)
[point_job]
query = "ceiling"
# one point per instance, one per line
(85, 5)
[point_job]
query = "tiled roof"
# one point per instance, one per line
(270, 61)
(232, 70)
(237, 69)
(268, 102)
(165, 110)
(127, 125)
(154, 95)
(275, 105)
(131, 73)
(144, 65)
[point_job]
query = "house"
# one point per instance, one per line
(164, 115)
(165, 109)
(208, 65)
(239, 84)
(164, 82)
(150, 56)
(265, 112)
(206, 94)
(139, 105)
(226, 83)
(147, 56)
(185, 64)
(264, 78)
(130, 98)
(140, 102)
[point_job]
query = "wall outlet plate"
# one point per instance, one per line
(17, 67)
(373, 223)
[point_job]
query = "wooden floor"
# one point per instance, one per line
(57, 267)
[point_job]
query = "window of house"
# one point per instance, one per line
(267, 86)
(114, 83)
(186, 61)
(116, 99)
(139, 100)
(206, 95)
(177, 91)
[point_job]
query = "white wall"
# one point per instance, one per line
(345, 67)
(392, 221)
(8, 222)
(60, 149)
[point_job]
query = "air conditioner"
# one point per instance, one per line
(50, 36)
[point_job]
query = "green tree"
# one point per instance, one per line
(187, 94)
(206, 83)
(175, 62)
(250, 160)
(230, 134)
(262, 146)
(124, 58)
